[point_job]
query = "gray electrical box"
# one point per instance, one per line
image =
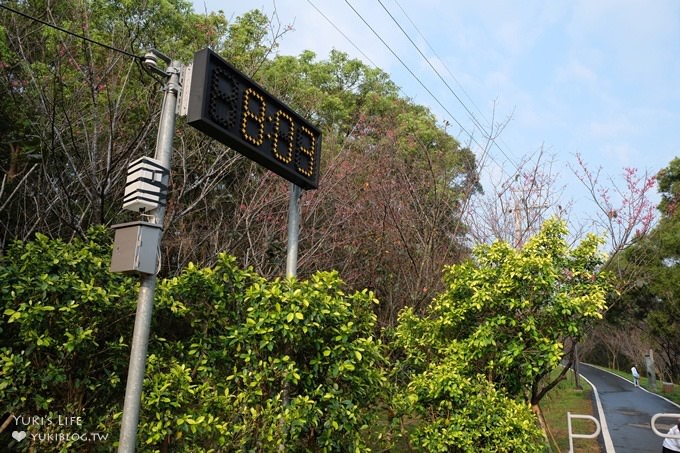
(135, 247)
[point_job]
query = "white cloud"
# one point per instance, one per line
(576, 71)
(614, 128)
(619, 155)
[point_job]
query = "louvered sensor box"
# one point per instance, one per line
(146, 187)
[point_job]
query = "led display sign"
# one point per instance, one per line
(233, 109)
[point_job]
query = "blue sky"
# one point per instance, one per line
(596, 77)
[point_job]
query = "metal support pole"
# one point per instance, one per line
(293, 229)
(140, 335)
(518, 225)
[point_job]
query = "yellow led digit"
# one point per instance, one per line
(307, 151)
(288, 137)
(258, 118)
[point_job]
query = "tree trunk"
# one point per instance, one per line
(13, 169)
(536, 409)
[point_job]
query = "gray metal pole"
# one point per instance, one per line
(293, 229)
(140, 335)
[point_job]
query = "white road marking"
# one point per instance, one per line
(608, 444)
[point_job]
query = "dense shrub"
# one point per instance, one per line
(64, 324)
(476, 363)
(261, 364)
(235, 361)
(240, 363)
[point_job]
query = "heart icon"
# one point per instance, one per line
(19, 435)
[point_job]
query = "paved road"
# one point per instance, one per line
(628, 412)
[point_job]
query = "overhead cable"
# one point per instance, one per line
(413, 74)
(63, 30)
(427, 60)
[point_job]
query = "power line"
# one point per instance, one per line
(413, 74)
(485, 153)
(427, 60)
(343, 34)
(429, 46)
(450, 73)
(469, 189)
(63, 30)
(373, 63)
(485, 150)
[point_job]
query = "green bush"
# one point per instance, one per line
(63, 331)
(289, 363)
(235, 362)
(239, 363)
(473, 365)
(454, 412)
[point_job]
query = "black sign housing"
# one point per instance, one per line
(228, 106)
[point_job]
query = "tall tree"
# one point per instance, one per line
(80, 112)
(509, 315)
(654, 296)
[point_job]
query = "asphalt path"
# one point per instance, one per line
(628, 412)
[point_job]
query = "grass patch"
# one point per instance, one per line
(567, 398)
